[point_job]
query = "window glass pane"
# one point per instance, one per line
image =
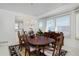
(50, 25)
(63, 21)
(40, 24)
(63, 25)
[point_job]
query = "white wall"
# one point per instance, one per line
(72, 23)
(77, 25)
(7, 26)
(7, 32)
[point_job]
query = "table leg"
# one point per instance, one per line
(37, 52)
(43, 49)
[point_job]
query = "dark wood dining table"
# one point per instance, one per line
(38, 41)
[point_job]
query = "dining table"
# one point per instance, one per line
(40, 41)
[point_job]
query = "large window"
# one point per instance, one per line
(63, 25)
(59, 24)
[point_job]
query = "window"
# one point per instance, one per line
(63, 25)
(50, 25)
(59, 24)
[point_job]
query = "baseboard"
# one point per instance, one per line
(2, 43)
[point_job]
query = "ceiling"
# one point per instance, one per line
(33, 9)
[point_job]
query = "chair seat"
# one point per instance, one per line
(50, 44)
(29, 50)
(47, 52)
(49, 48)
(32, 48)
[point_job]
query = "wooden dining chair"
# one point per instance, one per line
(23, 42)
(59, 44)
(28, 47)
(56, 51)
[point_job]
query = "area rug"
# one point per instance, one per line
(15, 51)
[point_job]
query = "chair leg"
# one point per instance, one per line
(54, 50)
(43, 49)
(29, 53)
(20, 47)
(59, 50)
(26, 50)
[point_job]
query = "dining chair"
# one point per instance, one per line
(56, 50)
(59, 44)
(28, 47)
(23, 42)
(52, 35)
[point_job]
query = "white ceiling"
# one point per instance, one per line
(33, 9)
